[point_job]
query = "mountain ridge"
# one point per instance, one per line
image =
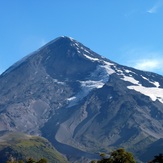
(81, 101)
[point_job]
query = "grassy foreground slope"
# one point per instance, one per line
(21, 147)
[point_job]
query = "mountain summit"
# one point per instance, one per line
(81, 102)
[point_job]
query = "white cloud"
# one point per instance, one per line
(143, 59)
(155, 8)
(152, 10)
(149, 64)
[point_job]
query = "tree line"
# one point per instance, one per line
(30, 160)
(117, 156)
(122, 156)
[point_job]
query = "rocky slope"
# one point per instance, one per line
(81, 102)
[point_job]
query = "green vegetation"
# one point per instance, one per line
(117, 156)
(20, 146)
(30, 160)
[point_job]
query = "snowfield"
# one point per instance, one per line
(155, 93)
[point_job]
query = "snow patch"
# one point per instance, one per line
(157, 84)
(71, 98)
(107, 67)
(127, 71)
(154, 93)
(90, 58)
(77, 45)
(144, 77)
(59, 82)
(86, 51)
(78, 51)
(71, 38)
(97, 80)
(130, 79)
(86, 87)
(119, 71)
(92, 84)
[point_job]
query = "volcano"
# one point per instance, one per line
(82, 102)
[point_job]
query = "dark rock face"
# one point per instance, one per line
(83, 103)
(65, 62)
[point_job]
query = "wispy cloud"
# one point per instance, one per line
(149, 65)
(155, 7)
(146, 60)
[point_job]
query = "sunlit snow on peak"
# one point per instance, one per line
(91, 58)
(157, 84)
(96, 80)
(155, 93)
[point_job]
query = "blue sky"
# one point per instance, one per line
(129, 32)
